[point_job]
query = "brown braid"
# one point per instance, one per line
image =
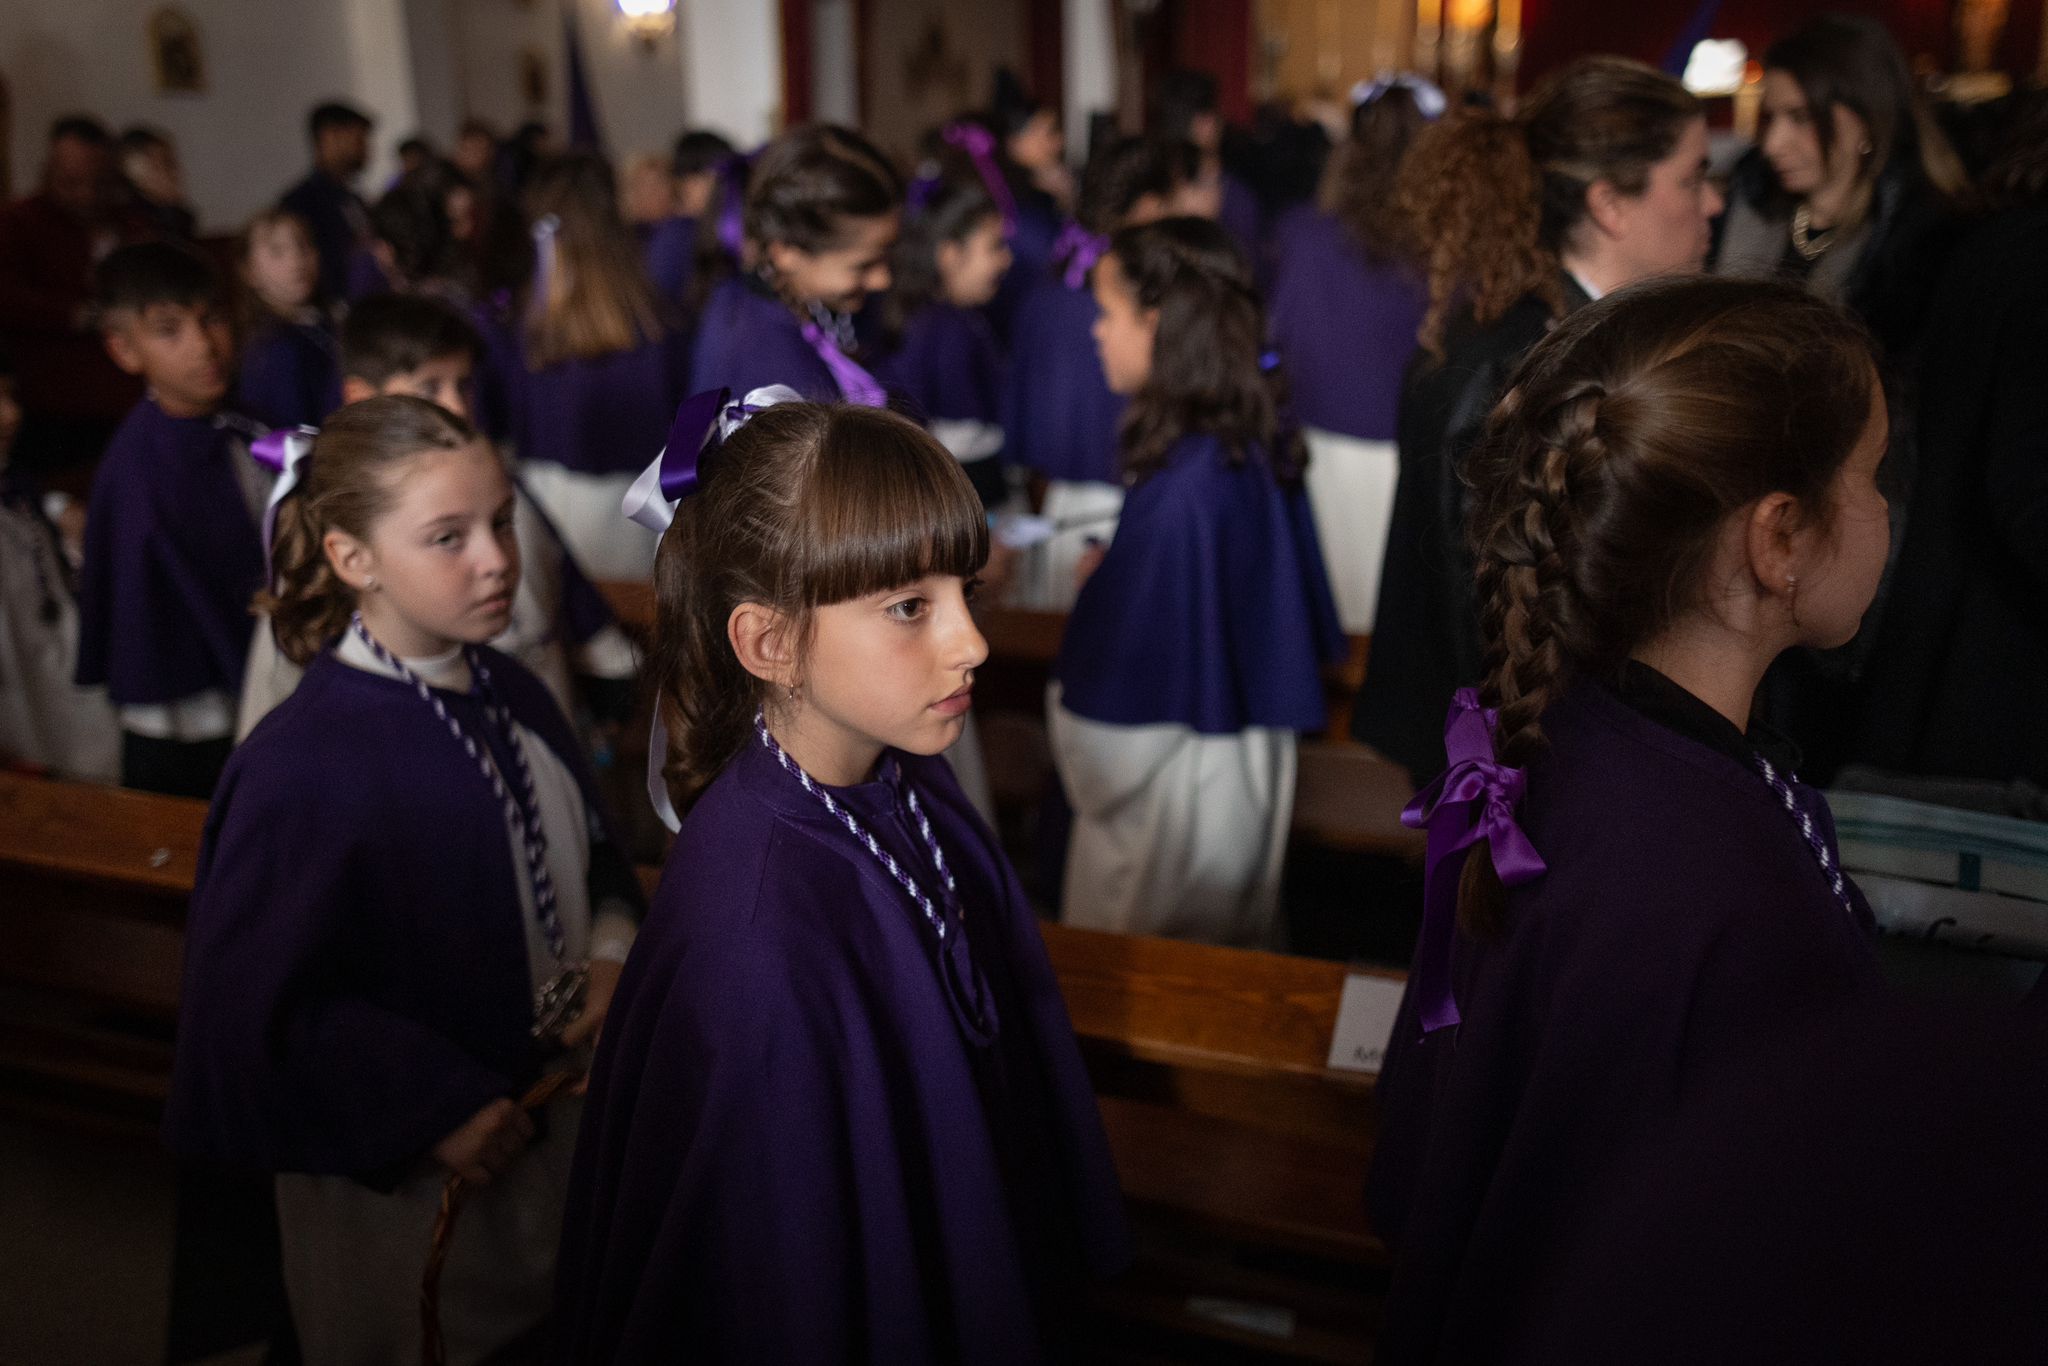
(1626, 440)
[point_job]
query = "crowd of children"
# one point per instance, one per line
(339, 573)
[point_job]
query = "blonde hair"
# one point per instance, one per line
(345, 484)
(597, 297)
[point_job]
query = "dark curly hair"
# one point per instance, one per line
(1494, 200)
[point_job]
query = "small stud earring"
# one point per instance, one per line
(370, 584)
(1791, 585)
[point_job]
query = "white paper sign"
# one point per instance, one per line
(1365, 1021)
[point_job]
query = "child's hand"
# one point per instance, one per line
(487, 1144)
(600, 982)
(1090, 561)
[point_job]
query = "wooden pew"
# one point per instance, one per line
(1347, 797)
(1234, 1142)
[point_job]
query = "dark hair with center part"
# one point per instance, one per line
(1206, 374)
(348, 482)
(1630, 434)
(806, 505)
(395, 334)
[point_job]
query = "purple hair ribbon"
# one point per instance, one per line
(1079, 249)
(285, 451)
(545, 230)
(980, 146)
(703, 423)
(855, 384)
(1474, 800)
(1429, 97)
(732, 202)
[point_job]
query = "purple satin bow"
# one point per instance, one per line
(1474, 800)
(855, 384)
(980, 146)
(282, 451)
(673, 475)
(1080, 249)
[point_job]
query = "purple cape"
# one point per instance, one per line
(671, 256)
(1683, 928)
(796, 1150)
(1211, 608)
(1063, 419)
(356, 979)
(172, 562)
(1241, 213)
(596, 415)
(290, 374)
(1345, 326)
(947, 365)
(747, 338)
(1038, 227)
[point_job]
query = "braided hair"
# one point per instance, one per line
(1628, 437)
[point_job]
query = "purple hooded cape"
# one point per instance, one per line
(947, 365)
(596, 414)
(748, 338)
(1345, 326)
(1062, 418)
(796, 1149)
(1211, 608)
(172, 562)
(1683, 929)
(671, 256)
(356, 978)
(290, 374)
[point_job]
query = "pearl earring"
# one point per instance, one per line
(1792, 585)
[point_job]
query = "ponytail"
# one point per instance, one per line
(345, 484)
(1495, 201)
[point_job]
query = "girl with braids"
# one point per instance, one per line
(1680, 486)
(406, 892)
(1347, 298)
(598, 361)
(823, 206)
(838, 1114)
(1192, 657)
(1599, 180)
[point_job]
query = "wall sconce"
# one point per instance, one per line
(648, 21)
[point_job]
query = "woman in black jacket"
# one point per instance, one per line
(1598, 181)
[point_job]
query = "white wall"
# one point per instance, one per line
(732, 67)
(1089, 57)
(267, 61)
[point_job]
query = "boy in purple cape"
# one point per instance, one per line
(1679, 486)
(172, 552)
(838, 1113)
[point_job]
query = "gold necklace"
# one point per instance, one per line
(1802, 235)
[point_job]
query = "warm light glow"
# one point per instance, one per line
(649, 21)
(1469, 16)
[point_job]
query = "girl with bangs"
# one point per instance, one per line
(839, 1113)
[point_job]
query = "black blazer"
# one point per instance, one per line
(1425, 642)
